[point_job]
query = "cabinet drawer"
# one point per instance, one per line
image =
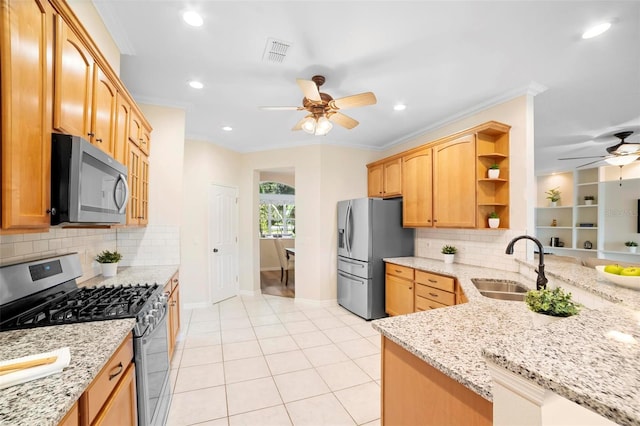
(423, 304)
(435, 294)
(436, 281)
(102, 386)
(399, 271)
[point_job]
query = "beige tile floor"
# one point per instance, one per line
(266, 360)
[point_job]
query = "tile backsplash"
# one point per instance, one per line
(484, 248)
(152, 245)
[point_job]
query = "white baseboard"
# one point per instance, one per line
(270, 268)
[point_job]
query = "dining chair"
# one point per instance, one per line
(285, 264)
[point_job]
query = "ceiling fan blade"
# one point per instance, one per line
(342, 120)
(588, 164)
(309, 89)
(581, 158)
(281, 108)
(363, 99)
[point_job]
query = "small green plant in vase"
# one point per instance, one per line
(108, 261)
(494, 171)
(494, 220)
(448, 252)
(588, 199)
(551, 303)
(553, 195)
(632, 246)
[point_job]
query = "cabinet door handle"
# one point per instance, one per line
(116, 371)
(52, 211)
(91, 134)
(398, 271)
(99, 140)
(433, 295)
(432, 280)
(410, 288)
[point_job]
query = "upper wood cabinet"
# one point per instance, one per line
(454, 183)
(85, 98)
(417, 178)
(26, 84)
(53, 78)
(138, 207)
(385, 179)
(73, 82)
(445, 182)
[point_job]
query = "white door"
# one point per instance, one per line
(223, 243)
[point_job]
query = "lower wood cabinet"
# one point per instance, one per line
(111, 398)
(408, 290)
(72, 418)
(415, 393)
(398, 289)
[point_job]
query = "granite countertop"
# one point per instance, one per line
(46, 401)
(134, 275)
(578, 361)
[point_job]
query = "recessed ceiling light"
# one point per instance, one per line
(596, 30)
(399, 107)
(196, 84)
(193, 18)
(227, 128)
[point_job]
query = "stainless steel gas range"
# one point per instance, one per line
(44, 292)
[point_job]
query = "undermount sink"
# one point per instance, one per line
(500, 289)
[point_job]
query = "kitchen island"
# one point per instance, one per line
(47, 400)
(573, 358)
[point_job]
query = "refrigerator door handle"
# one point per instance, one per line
(343, 275)
(347, 229)
(351, 262)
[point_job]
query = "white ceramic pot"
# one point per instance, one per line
(553, 203)
(542, 319)
(588, 202)
(633, 249)
(494, 173)
(109, 269)
(494, 222)
(448, 258)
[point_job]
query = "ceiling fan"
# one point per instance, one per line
(323, 109)
(621, 154)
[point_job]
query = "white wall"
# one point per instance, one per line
(204, 164)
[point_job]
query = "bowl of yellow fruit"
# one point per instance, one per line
(625, 276)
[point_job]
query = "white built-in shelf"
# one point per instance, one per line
(580, 228)
(584, 205)
(556, 207)
(621, 252)
(554, 227)
(586, 183)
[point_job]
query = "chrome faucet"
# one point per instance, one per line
(541, 282)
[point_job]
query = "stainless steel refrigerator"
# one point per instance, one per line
(369, 229)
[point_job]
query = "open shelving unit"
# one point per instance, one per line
(492, 147)
(595, 229)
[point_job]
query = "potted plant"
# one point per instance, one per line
(553, 195)
(494, 171)
(108, 261)
(448, 252)
(494, 220)
(548, 305)
(632, 246)
(588, 199)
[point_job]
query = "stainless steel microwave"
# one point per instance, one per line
(87, 185)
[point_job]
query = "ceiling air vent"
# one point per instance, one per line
(275, 50)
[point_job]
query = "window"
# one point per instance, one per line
(277, 210)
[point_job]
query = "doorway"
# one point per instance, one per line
(277, 232)
(223, 243)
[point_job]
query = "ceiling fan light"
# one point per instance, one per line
(621, 160)
(309, 125)
(628, 148)
(323, 127)
(596, 30)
